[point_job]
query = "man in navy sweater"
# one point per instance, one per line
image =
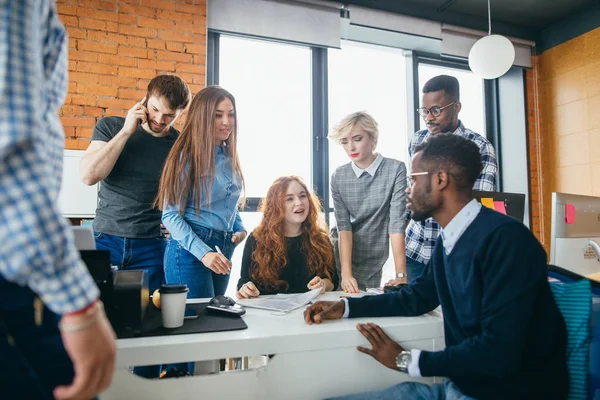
(505, 338)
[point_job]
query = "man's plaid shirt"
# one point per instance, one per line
(421, 236)
(37, 249)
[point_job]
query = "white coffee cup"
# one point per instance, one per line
(172, 304)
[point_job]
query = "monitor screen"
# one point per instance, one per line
(511, 204)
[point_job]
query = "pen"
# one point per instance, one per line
(218, 250)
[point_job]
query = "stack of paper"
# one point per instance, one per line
(281, 302)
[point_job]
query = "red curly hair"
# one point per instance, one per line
(271, 247)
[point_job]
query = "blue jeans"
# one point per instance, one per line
(414, 269)
(413, 391)
(33, 360)
(181, 266)
(136, 254)
(128, 254)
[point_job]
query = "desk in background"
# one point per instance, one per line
(311, 362)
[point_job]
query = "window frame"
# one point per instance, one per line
(320, 109)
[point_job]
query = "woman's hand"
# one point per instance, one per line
(217, 263)
(238, 237)
(317, 282)
(247, 290)
(397, 281)
(349, 284)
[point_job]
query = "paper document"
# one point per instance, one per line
(282, 302)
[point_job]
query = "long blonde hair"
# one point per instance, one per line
(191, 162)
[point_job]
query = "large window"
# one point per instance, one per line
(472, 113)
(372, 79)
(271, 83)
(289, 97)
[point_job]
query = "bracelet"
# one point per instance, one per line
(93, 312)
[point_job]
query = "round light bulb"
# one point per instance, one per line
(491, 56)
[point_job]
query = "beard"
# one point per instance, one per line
(419, 215)
(159, 130)
(422, 205)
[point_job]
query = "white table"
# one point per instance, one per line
(311, 362)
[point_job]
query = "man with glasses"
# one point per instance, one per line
(440, 108)
(505, 337)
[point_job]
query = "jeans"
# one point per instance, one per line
(33, 360)
(136, 254)
(414, 269)
(413, 391)
(181, 266)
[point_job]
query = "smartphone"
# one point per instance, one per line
(190, 313)
(230, 310)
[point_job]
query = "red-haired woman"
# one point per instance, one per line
(288, 252)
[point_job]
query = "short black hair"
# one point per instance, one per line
(458, 156)
(447, 83)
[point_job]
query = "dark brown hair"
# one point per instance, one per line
(172, 88)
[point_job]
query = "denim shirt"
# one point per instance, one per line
(220, 214)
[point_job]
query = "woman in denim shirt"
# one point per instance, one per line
(199, 191)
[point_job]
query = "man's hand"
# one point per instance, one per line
(92, 351)
(136, 115)
(349, 284)
(238, 237)
(322, 310)
(384, 349)
(247, 290)
(217, 263)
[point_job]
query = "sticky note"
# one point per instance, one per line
(488, 202)
(569, 213)
(499, 206)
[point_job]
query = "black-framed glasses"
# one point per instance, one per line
(435, 110)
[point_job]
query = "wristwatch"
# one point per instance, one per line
(400, 275)
(403, 360)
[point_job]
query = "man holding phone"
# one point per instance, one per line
(126, 155)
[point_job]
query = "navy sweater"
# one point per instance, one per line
(505, 338)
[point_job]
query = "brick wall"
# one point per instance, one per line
(116, 47)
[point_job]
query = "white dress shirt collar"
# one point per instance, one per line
(371, 169)
(459, 224)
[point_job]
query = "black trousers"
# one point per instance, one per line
(33, 360)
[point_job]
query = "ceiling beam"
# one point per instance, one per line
(467, 21)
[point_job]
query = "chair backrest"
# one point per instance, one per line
(578, 299)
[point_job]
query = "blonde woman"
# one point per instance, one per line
(370, 203)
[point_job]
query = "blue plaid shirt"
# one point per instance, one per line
(37, 249)
(421, 236)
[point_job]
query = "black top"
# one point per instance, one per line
(505, 337)
(126, 195)
(295, 272)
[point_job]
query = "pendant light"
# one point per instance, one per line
(492, 55)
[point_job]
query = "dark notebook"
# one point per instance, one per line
(206, 322)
